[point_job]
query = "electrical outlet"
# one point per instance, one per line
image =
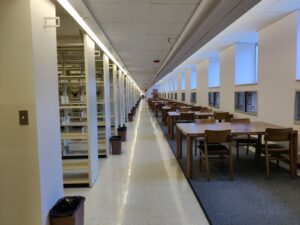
(23, 117)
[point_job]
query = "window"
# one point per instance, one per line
(246, 101)
(193, 97)
(214, 99)
(175, 96)
(171, 95)
(297, 106)
(246, 63)
(175, 85)
(183, 82)
(193, 78)
(214, 72)
(182, 97)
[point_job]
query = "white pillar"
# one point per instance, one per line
(106, 84)
(91, 102)
(30, 157)
(188, 86)
(116, 98)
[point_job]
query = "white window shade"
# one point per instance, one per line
(193, 78)
(214, 72)
(245, 64)
(175, 85)
(183, 82)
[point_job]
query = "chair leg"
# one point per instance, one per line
(267, 165)
(292, 165)
(230, 164)
(247, 149)
(207, 167)
(237, 151)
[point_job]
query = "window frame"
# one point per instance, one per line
(245, 102)
(297, 122)
(193, 93)
(182, 96)
(214, 105)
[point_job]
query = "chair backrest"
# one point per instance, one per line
(187, 116)
(240, 120)
(217, 136)
(280, 134)
(184, 109)
(195, 108)
(205, 121)
(221, 116)
(205, 110)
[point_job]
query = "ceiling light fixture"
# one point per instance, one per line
(70, 9)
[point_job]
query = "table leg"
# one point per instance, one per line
(295, 151)
(258, 149)
(189, 149)
(172, 127)
(178, 143)
(169, 127)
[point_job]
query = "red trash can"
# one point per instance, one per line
(116, 145)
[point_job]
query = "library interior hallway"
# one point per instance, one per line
(142, 186)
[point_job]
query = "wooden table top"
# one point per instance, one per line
(182, 107)
(197, 113)
(193, 129)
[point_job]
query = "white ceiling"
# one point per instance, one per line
(139, 30)
(245, 29)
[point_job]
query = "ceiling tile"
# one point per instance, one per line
(171, 12)
(120, 12)
(175, 1)
(126, 28)
(118, 1)
(169, 29)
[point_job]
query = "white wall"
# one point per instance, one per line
(277, 68)
(30, 159)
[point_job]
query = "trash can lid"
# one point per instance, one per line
(66, 206)
(115, 137)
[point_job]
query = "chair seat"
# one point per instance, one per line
(185, 121)
(216, 149)
(276, 149)
(244, 139)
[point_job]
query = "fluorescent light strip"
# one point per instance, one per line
(70, 9)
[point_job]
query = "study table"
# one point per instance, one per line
(192, 130)
(167, 108)
(172, 116)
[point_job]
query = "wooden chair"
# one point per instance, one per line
(243, 140)
(187, 116)
(199, 141)
(276, 150)
(184, 109)
(214, 148)
(196, 108)
(221, 116)
(204, 109)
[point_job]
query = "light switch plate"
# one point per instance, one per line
(23, 117)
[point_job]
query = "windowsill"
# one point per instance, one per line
(215, 107)
(214, 87)
(297, 122)
(245, 84)
(247, 113)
